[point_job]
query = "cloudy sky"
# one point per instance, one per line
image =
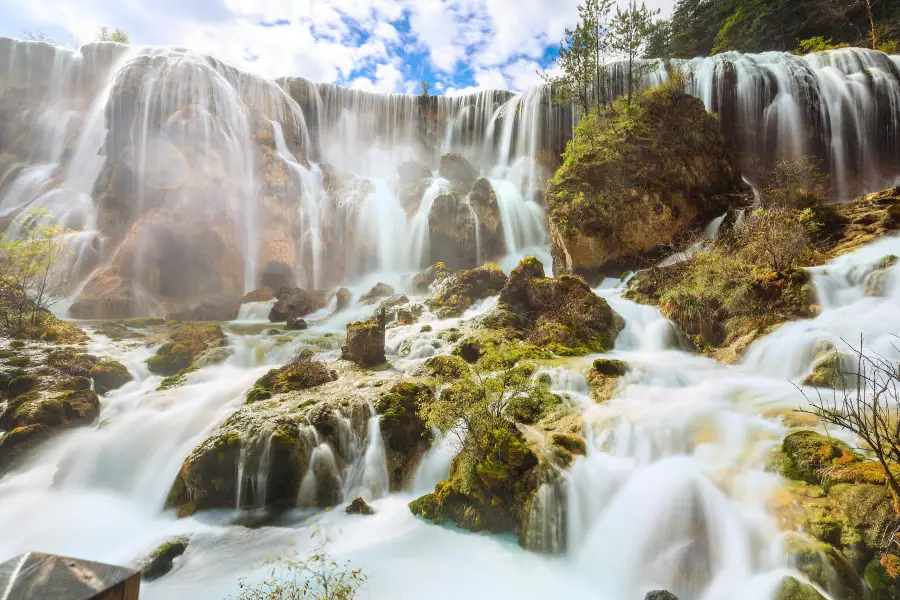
(380, 45)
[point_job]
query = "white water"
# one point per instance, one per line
(672, 493)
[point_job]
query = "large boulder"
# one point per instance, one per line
(452, 295)
(406, 437)
(365, 341)
(636, 180)
(464, 230)
(107, 295)
(109, 375)
(562, 315)
(301, 373)
(296, 302)
(292, 451)
(378, 291)
(422, 282)
(458, 170)
(187, 343)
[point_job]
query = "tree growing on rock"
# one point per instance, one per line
(31, 275)
(629, 34)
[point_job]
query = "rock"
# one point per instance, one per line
(115, 331)
(422, 282)
(411, 171)
(562, 315)
(359, 507)
(393, 301)
(22, 385)
(365, 342)
(160, 561)
(825, 566)
(406, 437)
(630, 195)
(452, 295)
(497, 504)
(610, 367)
(302, 373)
(344, 296)
(660, 595)
(457, 235)
(883, 577)
(294, 324)
(483, 200)
(831, 371)
(791, 589)
(187, 342)
(293, 303)
(263, 294)
(379, 290)
(218, 307)
(306, 441)
(50, 409)
(109, 375)
(107, 295)
(819, 459)
(458, 170)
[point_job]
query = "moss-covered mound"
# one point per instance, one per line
(300, 439)
(186, 344)
(634, 179)
(717, 298)
(850, 225)
(365, 341)
(453, 294)
(822, 460)
(109, 375)
(487, 490)
(406, 437)
(160, 561)
(562, 315)
(302, 373)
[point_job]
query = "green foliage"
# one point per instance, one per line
(187, 342)
(629, 34)
(31, 276)
(582, 56)
(818, 44)
(316, 577)
(117, 35)
(703, 27)
(179, 378)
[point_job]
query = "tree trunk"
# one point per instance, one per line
(872, 24)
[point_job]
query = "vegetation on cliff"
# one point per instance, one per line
(635, 178)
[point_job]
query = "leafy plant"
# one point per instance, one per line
(31, 277)
(316, 577)
(630, 31)
(116, 35)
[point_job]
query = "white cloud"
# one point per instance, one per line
(499, 43)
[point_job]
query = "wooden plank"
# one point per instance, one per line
(39, 576)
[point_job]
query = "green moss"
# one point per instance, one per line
(425, 328)
(74, 384)
(109, 375)
(22, 385)
(187, 342)
(447, 366)
(570, 442)
(18, 361)
(791, 589)
(17, 344)
(610, 367)
(144, 322)
(176, 380)
(71, 361)
(359, 507)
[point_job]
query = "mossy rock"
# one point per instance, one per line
(825, 566)
(22, 385)
(883, 577)
(71, 362)
(18, 361)
(821, 460)
(573, 444)
(447, 366)
(405, 434)
(74, 384)
(365, 342)
(53, 409)
(609, 367)
(791, 589)
(116, 331)
(359, 507)
(830, 371)
(160, 561)
(454, 294)
(187, 342)
(178, 379)
(109, 375)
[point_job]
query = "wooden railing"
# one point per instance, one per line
(38, 576)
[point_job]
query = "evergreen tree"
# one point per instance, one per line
(629, 33)
(117, 35)
(582, 56)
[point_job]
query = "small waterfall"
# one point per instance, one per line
(261, 482)
(418, 227)
(546, 531)
(321, 484)
(240, 482)
(435, 465)
(368, 475)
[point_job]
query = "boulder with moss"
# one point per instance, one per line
(487, 491)
(563, 315)
(161, 560)
(359, 507)
(109, 375)
(299, 443)
(635, 180)
(294, 303)
(406, 437)
(365, 341)
(452, 295)
(422, 282)
(187, 343)
(301, 373)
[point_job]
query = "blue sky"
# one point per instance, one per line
(378, 45)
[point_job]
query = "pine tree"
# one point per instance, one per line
(630, 31)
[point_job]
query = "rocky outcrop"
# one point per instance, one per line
(406, 437)
(452, 295)
(43, 389)
(161, 560)
(562, 315)
(464, 230)
(378, 291)
(109, 375)
(365, 341)
(218, 307)
(458, 170)
(187, 343)
(646, 178)
(660, 595)
(302, 373)
(359, 507)
(291, 450)
(293, 303)
(107, 295)
(295, 324)
(422, 282)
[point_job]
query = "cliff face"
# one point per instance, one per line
(635, 179)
